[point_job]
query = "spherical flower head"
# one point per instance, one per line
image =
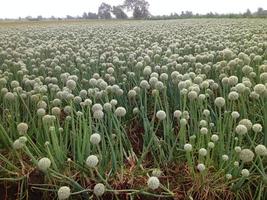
(203, 123)
(206, 113)
(225, 157)
(244, 172)
(56, 111)
(147, 70)
(113, 102)
(184, 91)
(99, 189)
(254, 95)
(135, 110)
(71, 84)
(44, 164)
(156, 172)
(201, 167)
(164, 77)
(155, 92)
(259, 88)
(153, 182)
(92, 161)
(246, 122)
(236, 164)
(261, 150)
(63, 192)
(68, 118)
(23, 139)
(120, 112)
(263, 77)
(144, 84)
(240, 87)
(211, 145)
(227, 54)
(214, 138)
(18, 144)
(225, 81)
(241, 129)
(97, 107)
(228, 176)
(161, 115)
(192, 137)
(235, 114)
(68, 109)
(22, 128)
(233, 96)
(246, 155)
(107, 107)
(95, 138)
(192, 95)
(183, 122)
(9, 96)
(202, 152)
(188, 147)
(132, 94)
(204, 131)
(257, 128)
(219, 102)
(238, 149)
(205, 84)
(41, 112)
(177, 113)
(88, 102)
(159, 85)
(98, 114)
(201, 97)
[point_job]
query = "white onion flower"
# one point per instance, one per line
(245, 172)
(92, 161)
(202, 152)
(156, 172)
(44, 164)
(22, 128)
(188, 147)
(153, 182)
(219, 102)
(246, 155)
(63, 193)
(95, 138)
(201, 167)
(120, 112)
(261, 150)
(161, 115)
(257, 128)
(99, 189)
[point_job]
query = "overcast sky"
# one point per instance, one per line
(61, 8)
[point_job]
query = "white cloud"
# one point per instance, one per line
(61, 8)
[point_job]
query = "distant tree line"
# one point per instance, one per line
(189, 14)
(140, 10)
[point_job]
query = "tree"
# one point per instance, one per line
(70, 17)
(28, 17)
(260, 10)
(91, 15)
(104, 11)
(39, 17)
(247, 13)
(139, 8)
(85, 16)
(119, 13)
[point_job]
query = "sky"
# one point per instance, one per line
(61, 8)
